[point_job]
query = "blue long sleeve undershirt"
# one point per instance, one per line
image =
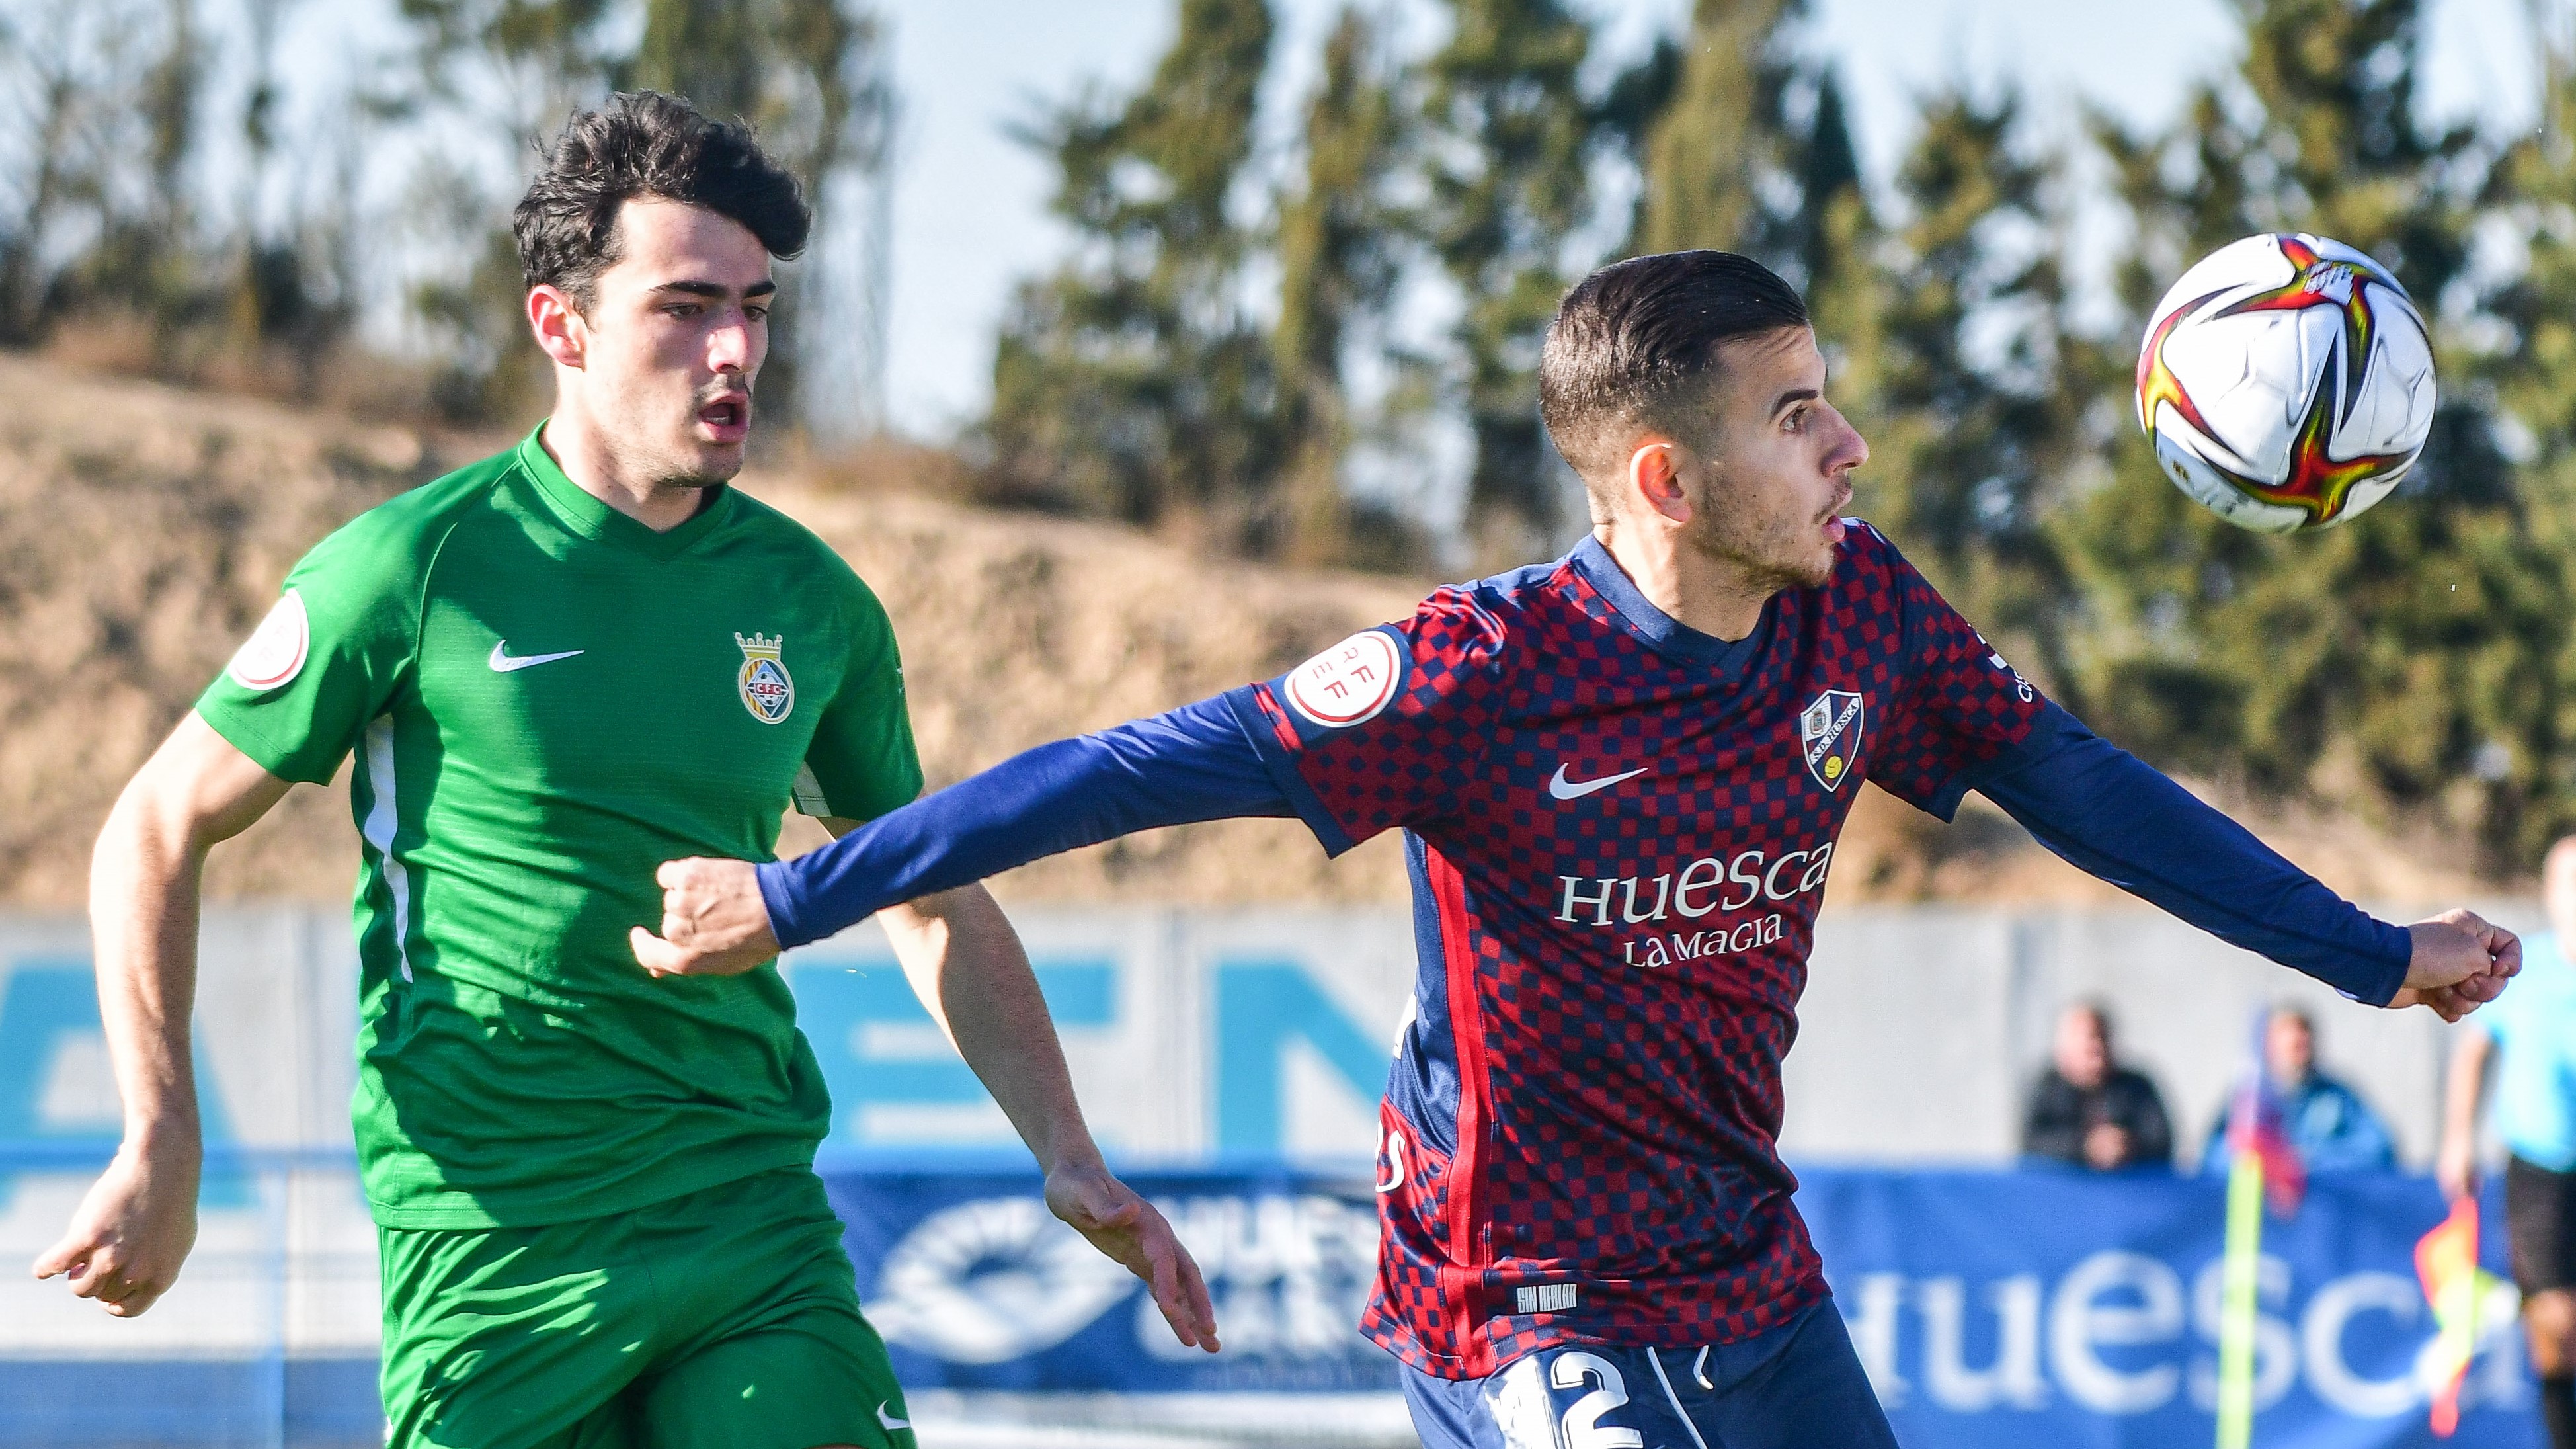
(2089, 801)
(2110, 815)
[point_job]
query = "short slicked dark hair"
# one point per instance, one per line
(1635, 335)
(644, 143)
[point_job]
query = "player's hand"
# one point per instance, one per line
(133, 1230)
(2106, 1146)
(2461, 962)
(714, 922)
(1129, 1230)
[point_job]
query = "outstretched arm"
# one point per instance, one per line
(134, 1228)
(1195, 763)
(2112, 816)
(966, 964)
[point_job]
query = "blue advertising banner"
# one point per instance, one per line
(2070, 1309)
(975, 1286)
(1992, 1309)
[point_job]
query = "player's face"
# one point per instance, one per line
(1777, 465)
(2082, 1052)
(2289, 1047)
(676, 335)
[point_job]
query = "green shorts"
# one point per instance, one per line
(725, 1317)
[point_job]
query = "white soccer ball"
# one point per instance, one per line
(2287, 382)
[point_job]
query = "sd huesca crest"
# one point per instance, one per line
(1829, 735)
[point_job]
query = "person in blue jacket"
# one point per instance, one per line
(2330, 1127)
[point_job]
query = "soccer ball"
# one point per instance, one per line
(2287, 382)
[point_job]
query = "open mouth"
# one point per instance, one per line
(1832, 521)
(727, 417)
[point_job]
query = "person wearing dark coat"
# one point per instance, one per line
(2088, 1110)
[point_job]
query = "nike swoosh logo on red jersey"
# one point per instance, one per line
(1565, 789)
(503, 663)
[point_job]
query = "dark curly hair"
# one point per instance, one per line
(644, 143)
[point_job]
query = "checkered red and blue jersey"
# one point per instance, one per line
(1619, 832)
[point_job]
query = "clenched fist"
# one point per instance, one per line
(2461, 962)
(714, 922)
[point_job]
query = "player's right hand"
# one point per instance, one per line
(133, 1230)
(2460, 963)
(714, 922)
(1132, 1233)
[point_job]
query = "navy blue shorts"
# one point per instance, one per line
(1799, 1386)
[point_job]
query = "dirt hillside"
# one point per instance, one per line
(144, 529)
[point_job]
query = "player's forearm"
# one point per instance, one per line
(1189, 765)
(197, 789)
(143, 927)
(2464, 1083)
(967, 966)
(2113, 817)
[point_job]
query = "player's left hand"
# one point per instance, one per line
(1129, 1230)
(2461, 962)
(714, 922)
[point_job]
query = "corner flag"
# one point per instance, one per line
(2262, 1167)
(2446, 1263)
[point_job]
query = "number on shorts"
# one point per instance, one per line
(1582, 1427)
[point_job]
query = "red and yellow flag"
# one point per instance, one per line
(2446, 1263)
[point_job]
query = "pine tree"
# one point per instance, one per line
(1132, 383)
(2361, 662)
(1946, 332)
(1340, 258)
(1511, 139)
(1720, 132)
(2530, 702)
(1828, 179)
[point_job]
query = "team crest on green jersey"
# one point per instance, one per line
(767, 691)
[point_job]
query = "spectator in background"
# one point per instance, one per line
(2089, 1110)
(2329, 1125)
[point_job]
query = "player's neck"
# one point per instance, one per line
(575, 443)
(1698, 592)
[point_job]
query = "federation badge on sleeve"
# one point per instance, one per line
(1348, 683)
(1829, 735)
(275, 651)
(767, 690)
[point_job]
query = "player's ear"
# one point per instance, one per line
(561, 333)
(1654, 478)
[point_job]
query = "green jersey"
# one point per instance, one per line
(547, 700)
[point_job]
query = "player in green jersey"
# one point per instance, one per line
(594, 1192)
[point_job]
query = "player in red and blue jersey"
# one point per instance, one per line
(1621, 776)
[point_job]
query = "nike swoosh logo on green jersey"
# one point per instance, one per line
(502, 663)
(889, 1421)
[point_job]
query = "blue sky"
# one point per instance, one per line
(970, 203)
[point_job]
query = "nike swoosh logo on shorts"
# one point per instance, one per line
(889, 1421)
(503, 663)
(1565, 789)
